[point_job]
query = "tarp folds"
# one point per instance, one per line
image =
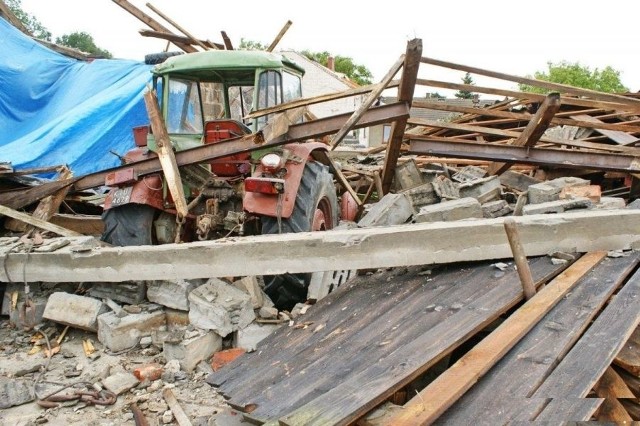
(56, 110)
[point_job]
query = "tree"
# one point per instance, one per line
(29, 21)
(251, 45)
(575, 74)
(84, 42)
(345, 65)
(465, 94)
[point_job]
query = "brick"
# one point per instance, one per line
(447, 211)
(392, 209)
(73, 310)
(550, 190)
(222, 358)
(190, 351)
(121, 382)
(220, 307)
(557, 206)
(592, 192)
(483, 190)
(172, 293)
(118, 334)
(249, 337)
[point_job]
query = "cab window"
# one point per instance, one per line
(184, 113)
(269, 93)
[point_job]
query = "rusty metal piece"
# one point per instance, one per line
(138, 417)
(89, 397)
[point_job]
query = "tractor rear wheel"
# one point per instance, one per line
(129, 225)
(316, 209)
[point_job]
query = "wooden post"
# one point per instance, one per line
(405, 94)
(281, 34)
(165, 154)
(520, 258)
(227, 41)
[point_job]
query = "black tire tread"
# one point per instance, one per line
(129, 225)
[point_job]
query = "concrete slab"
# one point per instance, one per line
(392, 209)
(74, 310)
(190, 351)
(119, 334)
(447, 211)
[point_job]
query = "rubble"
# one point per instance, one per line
(119, 334)
(392, 209)
(249, 337)
(192, 348)
(172, 294)
(76, 311)
(451, 210)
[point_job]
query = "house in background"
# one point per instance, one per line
(321, 80)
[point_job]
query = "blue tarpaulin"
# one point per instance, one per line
(56, 110)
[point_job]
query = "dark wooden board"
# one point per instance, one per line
(562, 410)
(540, 351)
(578, 372)
(377, 377)
(629, 356)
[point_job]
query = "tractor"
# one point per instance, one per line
(204, 98)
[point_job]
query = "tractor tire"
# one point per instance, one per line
(158, 58)
(129, 225)
(316, 209)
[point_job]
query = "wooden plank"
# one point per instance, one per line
(38, 223)
(563, 410)
(629, 356)
(227, 41)
(361, 248)
(611, 387)
(22, 197)
(83, 224)
(525, 116)
(533, 131)
(166, 155)
(176, 409)
(588, 103)
(370, 99)
(152, 23)
(281, 34)
(319, 99)
(405, 94)
(49, 205)
(497, 396)
(617, 136)
(630, 103)
(632, 382)
(175, 38)
(439, 395)
(279, 125)
(178, 27)
(578, 372)
(520, 258)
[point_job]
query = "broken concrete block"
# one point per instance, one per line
(118, 334)
(550, 190)
(252, 287)
(610, 203)
(518, 181)
(496, 208)
(176, 318)
(483, 190)
(75, 311)
(28, 314)
(422, 195)
(15, 392)
(121, 382)
(268, 313)
(445, 188)
(392, 209)
(447, 211)
(221, 307)
(172, 293)
(557, 206)
(469, 173)
(407, 175)
(190, 351)
(592, 192)
(635, 205)
(249, 337)
(129, 292)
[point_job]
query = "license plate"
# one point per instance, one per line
(121, 196)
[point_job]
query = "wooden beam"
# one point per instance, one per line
(318, 99)
(152, 23)
(38, 223)
(631, 103)
(177, 26)
(22, 197)
(8, 15)
(371, 98)
(50, 205)
(281, 34)
(533, 131)
(227, 41)
(176, 408)
(440, 394)
(362, 248)
(405, 94)
(166, 155)
(588, 103)
(520, 258)
(175, 38)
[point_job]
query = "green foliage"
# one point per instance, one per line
(84, 42)
(574, 74)
(345, 65)
(464, 94)
(434, 95)
(29, 21)
(251, 45)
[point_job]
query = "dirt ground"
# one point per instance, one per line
(71, 366)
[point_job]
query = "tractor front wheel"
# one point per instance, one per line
(129, 225)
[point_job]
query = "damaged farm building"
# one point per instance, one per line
(406, 261)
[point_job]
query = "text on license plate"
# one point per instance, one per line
(121, 196)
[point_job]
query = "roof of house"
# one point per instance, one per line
(434, 114)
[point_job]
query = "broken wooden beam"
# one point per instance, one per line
(175, 38)
(178, 27)
(38, 223)
(520, 258)
(414, 244)
(426, 145)
(533, 131)
(281, 34)
(176, 408)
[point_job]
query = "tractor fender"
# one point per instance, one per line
(148, 190)
(267, 204)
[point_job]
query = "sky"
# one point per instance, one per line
(512, 37)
